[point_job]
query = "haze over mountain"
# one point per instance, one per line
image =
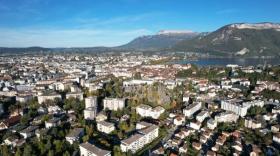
(163, 39)
(240, 39)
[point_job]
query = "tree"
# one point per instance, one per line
(85, 138)
(256, 110)
(24, 120)
(42, 147)
(51, 153)
(27, 150)
(66, 154)
(123, 126)
(58, 146)
(117, 151)
(5, 151)
(18, 152)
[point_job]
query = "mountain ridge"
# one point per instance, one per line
(237, 39)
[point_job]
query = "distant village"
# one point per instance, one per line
(134, 104)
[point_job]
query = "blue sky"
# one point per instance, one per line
(85, 23)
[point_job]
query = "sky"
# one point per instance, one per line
(88, 23)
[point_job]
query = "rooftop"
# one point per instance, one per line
(94, 149)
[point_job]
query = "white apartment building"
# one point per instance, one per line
(192, 108)
(137, 82)
(226, 117)
(44, 98)
(87, 149)
(105, 127)
(23, 98)
(211, 124)
(76, 95)
(90, 113)
(238, 107)
(235, 106)
(142, 124)
(252, 123)
(148, 111)
(195, 125)
(74, 135)
(202, 115)
(139, 140)
(91, 102)
(114, 103)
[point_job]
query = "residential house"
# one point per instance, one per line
(53, 122)
(29, 131)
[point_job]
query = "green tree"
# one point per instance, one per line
(256, 110)
(51, 153)
(58, 146)
(66, 154)
(5, 151)
(27, 150)
(18, 152)
(117, 151)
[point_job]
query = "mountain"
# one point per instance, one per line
(240, 39)
(23, 50)
(162, 40)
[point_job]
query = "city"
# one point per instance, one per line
(139, 78)
(134, 104)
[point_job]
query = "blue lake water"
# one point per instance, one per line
(225, 61)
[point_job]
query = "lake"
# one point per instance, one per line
(226, 61)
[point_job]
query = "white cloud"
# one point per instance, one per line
(85, 22)
(67, 37)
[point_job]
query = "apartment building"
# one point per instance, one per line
(252, 123)
(239, 107)
(76, 95)
(192, 108)
(226, 117)
(105, 127)
(211, 124)
(148, 111)
(75, 135)
(87, 149)
(114, 103)
(50, 96)
(91, 102)
(140, 139)
(202, 115)
(90, 111)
